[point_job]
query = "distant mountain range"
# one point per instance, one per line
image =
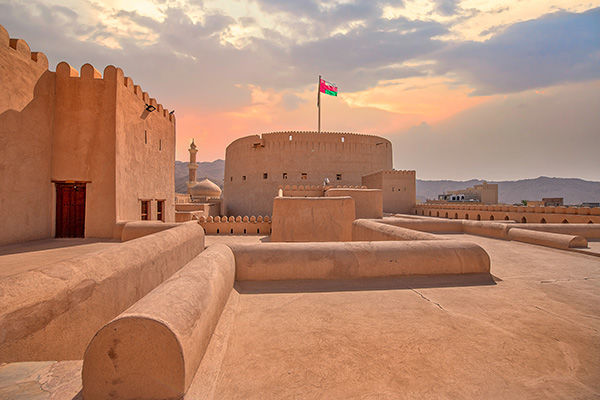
(573, 190)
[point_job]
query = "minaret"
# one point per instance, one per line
(192, 165)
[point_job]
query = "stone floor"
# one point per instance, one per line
(26, 256)
(533, 333)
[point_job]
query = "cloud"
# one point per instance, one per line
(557, 48)
(512, 137)
(446, 7)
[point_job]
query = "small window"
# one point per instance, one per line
(160, 210)
(304, 176)
(159, 144)
(231, 179)
(338, 177)
(145, 137)
(265, 175)
(393, 189)
(284, 175)
(145, 210)
(290, 138)
(343, 140)
(243, 177)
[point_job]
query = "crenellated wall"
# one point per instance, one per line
(500, 212)
(78, 126)
(319, 156)
(236, 225)
(26, 117)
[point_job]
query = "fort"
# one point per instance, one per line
(313, 274)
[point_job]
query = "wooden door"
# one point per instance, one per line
(70, 209)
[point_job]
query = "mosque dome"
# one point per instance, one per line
(204, 188)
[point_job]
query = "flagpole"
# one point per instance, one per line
(319, 101)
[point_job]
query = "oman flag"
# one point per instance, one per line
(327, 87)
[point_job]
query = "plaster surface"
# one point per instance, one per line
(534, 334)
(27, 256)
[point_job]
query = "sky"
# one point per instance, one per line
(497, 90)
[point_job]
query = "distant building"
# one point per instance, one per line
(486, 193)
(588, 204)
(552, 201)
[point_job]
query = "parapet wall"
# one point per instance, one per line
(51, 313)
(236, 225)
(368, 202)
(524, 214)
(282, 261)
(312, 219)
(158, 342)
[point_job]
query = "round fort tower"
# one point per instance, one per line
(256, 166)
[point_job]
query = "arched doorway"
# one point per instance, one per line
(446, 215)
(524, 220)
(466, 216)
(543, 221)
(437, 214)
(430, 213)
(478, 217)
(455, 215)
(506, 217)
(564, 221)
(590, 222)
(491, 217)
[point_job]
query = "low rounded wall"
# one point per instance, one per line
(547, 239)
(153, 349)
(368, 203)
(312, 219)
(281, 261)
(588, 231)
(364, 230)
(136, 229)
(425, 225)
(51, 313)
(487, 229)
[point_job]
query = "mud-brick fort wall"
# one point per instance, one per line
(26, 118)
(103, 136)
(398, 188)
(77, 126)
(255, 166)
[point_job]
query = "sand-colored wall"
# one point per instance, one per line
(364, 230)
(281, 261)
(83, 142)
(368, 202)
(26, 117)
(159, 342)
(398, 188)
(499, 212)
(312, 219)
(556, 240)
(588, 231)
(137, 229)
(145, 153)
(319, 155)
(51, 313)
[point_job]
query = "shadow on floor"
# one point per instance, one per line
(412, 282)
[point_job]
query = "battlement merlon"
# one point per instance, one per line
(21, 48)
(112, 74)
